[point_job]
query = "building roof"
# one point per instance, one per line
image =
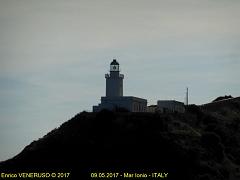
(169, 101)
(119, 98)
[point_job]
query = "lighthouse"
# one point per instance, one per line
(114, 98)
(114, 81)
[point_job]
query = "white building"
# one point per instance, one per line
(170, 106)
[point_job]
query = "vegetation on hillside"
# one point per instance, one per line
(222, 98)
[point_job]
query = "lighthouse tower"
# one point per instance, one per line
(114, 98)
(114, 81)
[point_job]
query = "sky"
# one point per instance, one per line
(54, 54)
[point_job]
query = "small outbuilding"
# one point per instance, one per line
(170, 106)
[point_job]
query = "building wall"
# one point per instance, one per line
(170, 106)
(139, 106)
(132, 104)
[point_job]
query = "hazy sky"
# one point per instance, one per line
(54, 54)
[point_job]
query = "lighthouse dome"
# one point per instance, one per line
(114, 62)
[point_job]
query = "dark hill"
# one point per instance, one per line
(222, 98)
(199, 144)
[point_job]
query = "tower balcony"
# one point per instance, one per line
(119, 75)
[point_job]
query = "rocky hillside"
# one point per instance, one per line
(201, 144)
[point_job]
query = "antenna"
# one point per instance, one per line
(186, 103)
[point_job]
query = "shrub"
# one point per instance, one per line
(212, 143)
(193, 109)
(222, 98)
(210, 139)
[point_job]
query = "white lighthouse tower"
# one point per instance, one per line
(114, 98)
(114, 81)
